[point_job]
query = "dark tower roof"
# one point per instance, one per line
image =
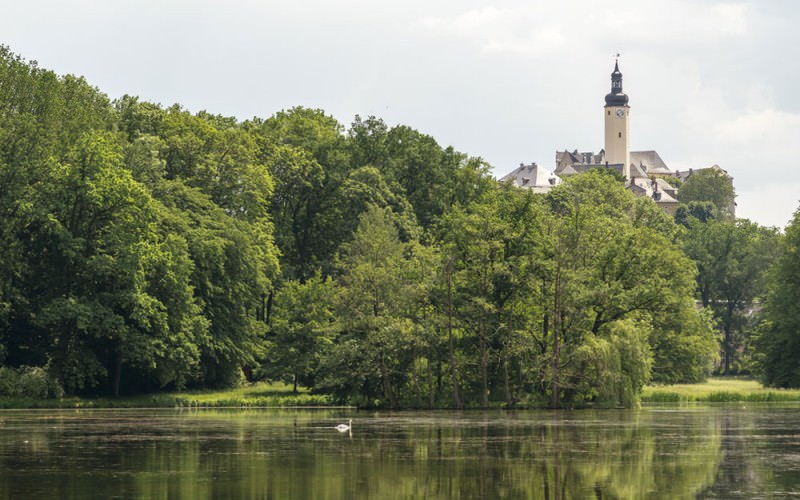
(616, 97)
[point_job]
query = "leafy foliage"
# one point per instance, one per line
(302, 329)
(710, 185)
(732, 258)
(147, 248)
(778, 343)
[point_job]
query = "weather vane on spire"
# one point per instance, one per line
(616, 56)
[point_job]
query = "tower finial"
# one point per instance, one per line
(616, 97)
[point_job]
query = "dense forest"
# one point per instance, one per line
(145, 248)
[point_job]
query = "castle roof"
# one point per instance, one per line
(666, 187)
(643, 163)
(637, 171)
(651, 161)
(533, 177)
(662, 198)
(684, 175)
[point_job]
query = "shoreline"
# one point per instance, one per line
(266, 395)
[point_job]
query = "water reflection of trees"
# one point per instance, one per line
(756, 446)
(524, 455)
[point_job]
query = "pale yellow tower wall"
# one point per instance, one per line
(617, 126)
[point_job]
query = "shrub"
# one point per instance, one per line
(32, 382)
(8, 381)
(28, 382)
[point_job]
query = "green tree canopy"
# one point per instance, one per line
(778, 358)
(711, 185)
(302, 328)
(732, 258)
(375, 344)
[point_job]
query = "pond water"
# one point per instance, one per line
(657, 452)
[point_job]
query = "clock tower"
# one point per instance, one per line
(617, 114)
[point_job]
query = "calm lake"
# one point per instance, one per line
(656, 452)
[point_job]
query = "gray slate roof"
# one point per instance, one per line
(643, 165)
(637, 171)
(533, 177)
(651, 161)
(683, 175)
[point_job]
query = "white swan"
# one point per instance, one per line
(343, 427)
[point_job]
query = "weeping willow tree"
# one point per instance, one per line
(613, 274)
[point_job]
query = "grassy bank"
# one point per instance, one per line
(261, 394)
(279, 395)
(718, 389)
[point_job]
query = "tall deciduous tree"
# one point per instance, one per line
(613, 274)
(235, 264)
(307, 156)
(778, 345)
(474, 238)
(41, 118)
(302, 328)
(711, 185)
(299, 182)
(376, 338)
(732, 258)
(109, 290)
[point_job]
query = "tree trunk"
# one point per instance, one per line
(554, 382)
(484, 370)
(727, 348)
(268, 308)
(431, 393)
(507, 383)
(506, 377)
(727, 337)
(556, 346)
(117, 374)
(418, 387)
(450, 342)
(439, 376)
(387, 384)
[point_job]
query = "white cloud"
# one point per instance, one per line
(535, 43)
(536, 27)
(754, 145)
(502, 29)
(770, 204)
(763, 130)
(731, 18)
(711, 81)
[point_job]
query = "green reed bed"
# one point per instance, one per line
(257, 395)
(260, 394)
(718, 390)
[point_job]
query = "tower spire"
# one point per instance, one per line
(616, 113)
(616, 97)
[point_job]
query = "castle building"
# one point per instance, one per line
(645, 172)
(533, 177)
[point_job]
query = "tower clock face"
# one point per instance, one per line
(620, 112)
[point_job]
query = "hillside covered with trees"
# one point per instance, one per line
(145, 247)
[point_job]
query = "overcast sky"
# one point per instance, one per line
(710, 82)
